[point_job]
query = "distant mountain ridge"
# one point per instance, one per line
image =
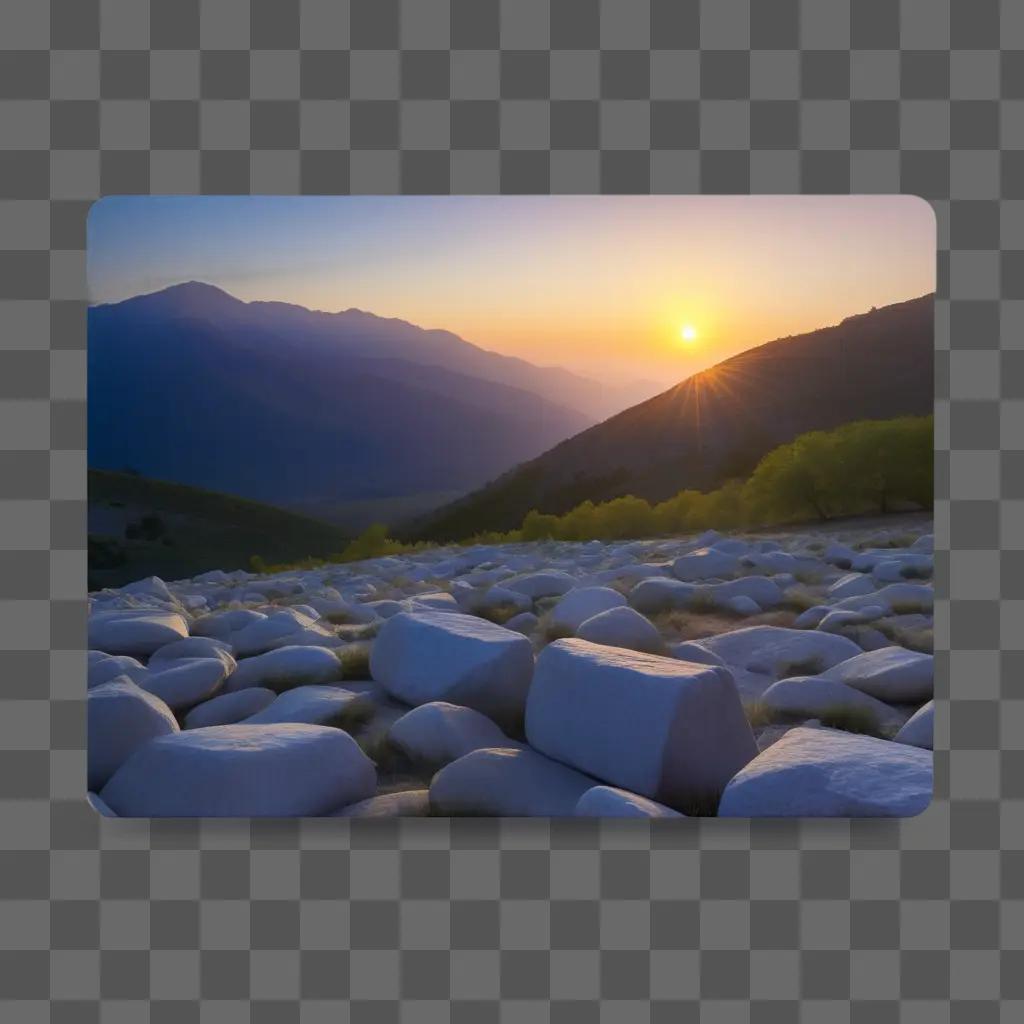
(718, 423)
(280, 404)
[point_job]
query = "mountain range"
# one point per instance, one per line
(279, 403)
(718, 423)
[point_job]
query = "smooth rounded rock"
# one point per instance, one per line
(610, 802)
(120, 718)
(186, 682)
(192, 647)
(242, 771)
(919, 730)
(438, 733)
(815, 696)
(822, 773)
(286, 667)
(138, 633)
(507, 783)
(229, 708)
(705, 563)
(892, 674)
(316, 705)
(102, 670)
(406, 803)
(581, 604)
(622, 627)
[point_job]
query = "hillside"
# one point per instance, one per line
(140, 527)
(718, 423)
(282, 405)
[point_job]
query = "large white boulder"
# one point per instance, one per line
(892, 674)
(853, 584)
(242, 771)
(609, 802)
(552, 583)
(919, 730)
(135, 632)
(524, 622)
(229, 708)
(704, 564)
(315, 705)
(265, 634)
(192, 647)
(581, 604)
(766, 592)
(821, 773)
(812, 696)
(670, 730)
(101, 670)
(437, 733)
(426, 656)
(184, 683)
(507, 783)
(895, 597)
(286, 667)
(777, 651)
(220, 625)
(120, 718)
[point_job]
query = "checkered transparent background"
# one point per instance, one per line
(478, 921)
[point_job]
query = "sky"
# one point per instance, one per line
(631, 288)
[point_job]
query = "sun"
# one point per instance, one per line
(688, 332)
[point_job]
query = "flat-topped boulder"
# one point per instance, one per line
(428, 656)
(438, 733)
(286, 667)
(229, 708)
(279, 628)
(316, 705)
(507, 783)
(822, 773)
(661, 595)
(919, 730)
(892, 674)
(581, 604)
(669, 730)
(609, 802)
(192, 647)
(220, 625)
(804, 697)
(622, 627)
(120, 718)
(135, 632)
(242, 771)
(853, 584)
(186, 682)
(780, 652)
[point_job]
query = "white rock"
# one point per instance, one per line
(264, 634)
(428, 656)
(153, 586)
(315, 705)
(507, 783)
(853, 584)
(192, 647)
(120, 719)
(811, 696)
(439, 601)
(894, 597)
(229, 708)
(542, 584)
(99, 806)
(385, 609)
(670, 730)
(622, 627)
(609, 802)
(242, 771)
(919, 730)
(766, 592)
(102, 670)
(892, 674)
(286, 667)
(687, 650)
(581, 604)
(661, 595)
(926, 542)
(775, 650)
(811, 617)
(744, 605)
(839, 554)
(439, 733)
(838, 620)
(186, 682)
(820, 773)
(524, 622)
(138, 633)
(705, 563)
(407, 803)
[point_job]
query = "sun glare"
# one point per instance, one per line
(688, 332)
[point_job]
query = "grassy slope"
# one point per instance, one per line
(201, 529)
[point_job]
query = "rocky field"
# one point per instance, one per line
(785, 674)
